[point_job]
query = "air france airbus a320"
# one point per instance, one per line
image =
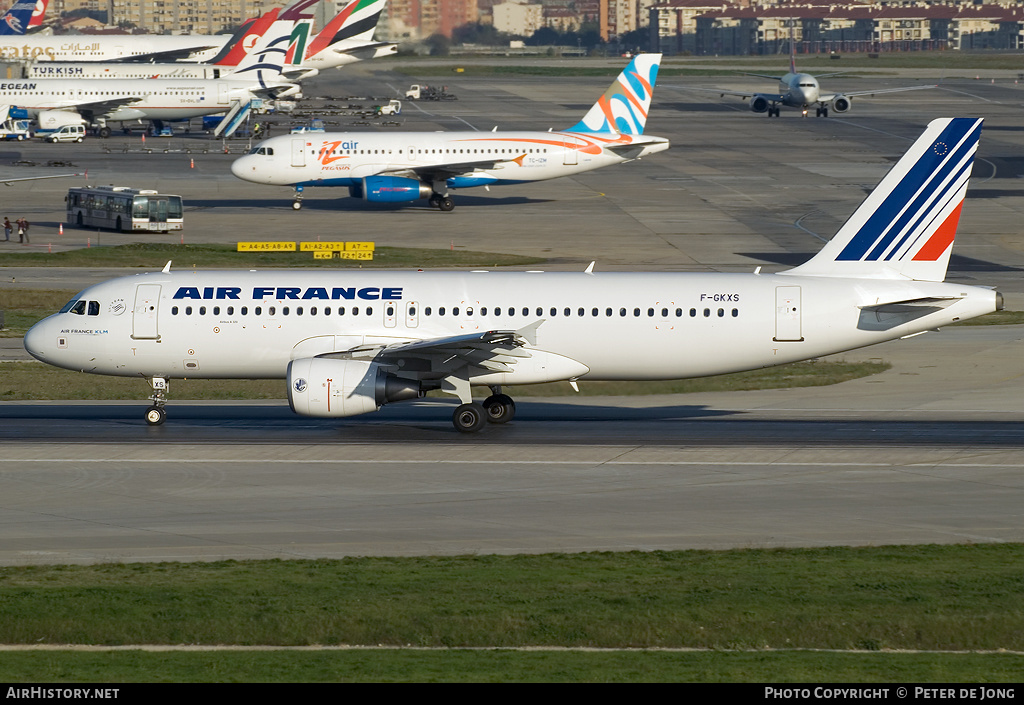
(407, 166)
(348, 342)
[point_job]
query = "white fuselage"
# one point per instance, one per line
(342, 159)
(801, 90)
(330, 57)
(156, 99)
(600, 326)
(109, 48)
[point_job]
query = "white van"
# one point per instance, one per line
(67, 133)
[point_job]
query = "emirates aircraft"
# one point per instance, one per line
(344, 40)
(349, 341)
(406, 166)
(335, 48)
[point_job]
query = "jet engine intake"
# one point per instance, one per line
(759, 104)
(326, 387)
(393, 189)
(840, 104)
(56, 119)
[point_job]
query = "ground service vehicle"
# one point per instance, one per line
(124, 209)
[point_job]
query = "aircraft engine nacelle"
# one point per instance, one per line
(840, 104)
(323, 387)
(759, 104)
(55, 119)
(393, 189)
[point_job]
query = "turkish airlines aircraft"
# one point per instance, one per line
(406, 166)
(350, 341)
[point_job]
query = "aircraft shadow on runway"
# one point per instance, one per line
(541, 423)
(344, 203)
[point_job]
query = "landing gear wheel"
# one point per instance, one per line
(824, 112)
(104, 132)
(434, 201)
(296, 205)
(500, 408)
(446, 204)
(155, 415)
(469, 418)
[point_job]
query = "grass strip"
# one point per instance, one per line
(209, 256)
(26, 381)
(503, 666)
(932, 598)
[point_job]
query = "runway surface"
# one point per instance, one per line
(930, 451)
(924, 453)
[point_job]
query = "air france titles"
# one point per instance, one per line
(294, 293)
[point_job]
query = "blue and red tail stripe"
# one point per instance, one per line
(936, 180)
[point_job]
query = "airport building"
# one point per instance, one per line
(705, 27)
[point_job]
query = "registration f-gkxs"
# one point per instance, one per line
(348, 342)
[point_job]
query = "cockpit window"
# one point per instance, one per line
(269, 151)
(81, 307)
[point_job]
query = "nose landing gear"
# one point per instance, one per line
(156, 415)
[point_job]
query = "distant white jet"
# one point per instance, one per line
(801, 91)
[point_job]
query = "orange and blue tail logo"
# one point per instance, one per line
(624, 106)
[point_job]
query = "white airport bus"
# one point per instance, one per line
(124, 209)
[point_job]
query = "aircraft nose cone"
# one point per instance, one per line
(238, 167)
(35, 341)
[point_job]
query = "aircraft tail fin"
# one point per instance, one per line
(235, 48)
(624, 106)
(265, 61)
(355, 24)
(905, 228)
(39, 15)
(16, 21)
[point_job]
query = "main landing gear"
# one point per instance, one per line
(773, 111)
(156, 415)
(822, 111)
(444, 203)
(472, 416)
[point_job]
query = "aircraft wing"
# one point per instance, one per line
(825, 98)
(159, 57)
(494, 350)
(762, 75)
(102, 107)
(8, 182)
(341, 48)
(773, 97)
(439, 172)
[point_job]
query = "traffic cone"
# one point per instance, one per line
(60, 230)
(191, 163)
